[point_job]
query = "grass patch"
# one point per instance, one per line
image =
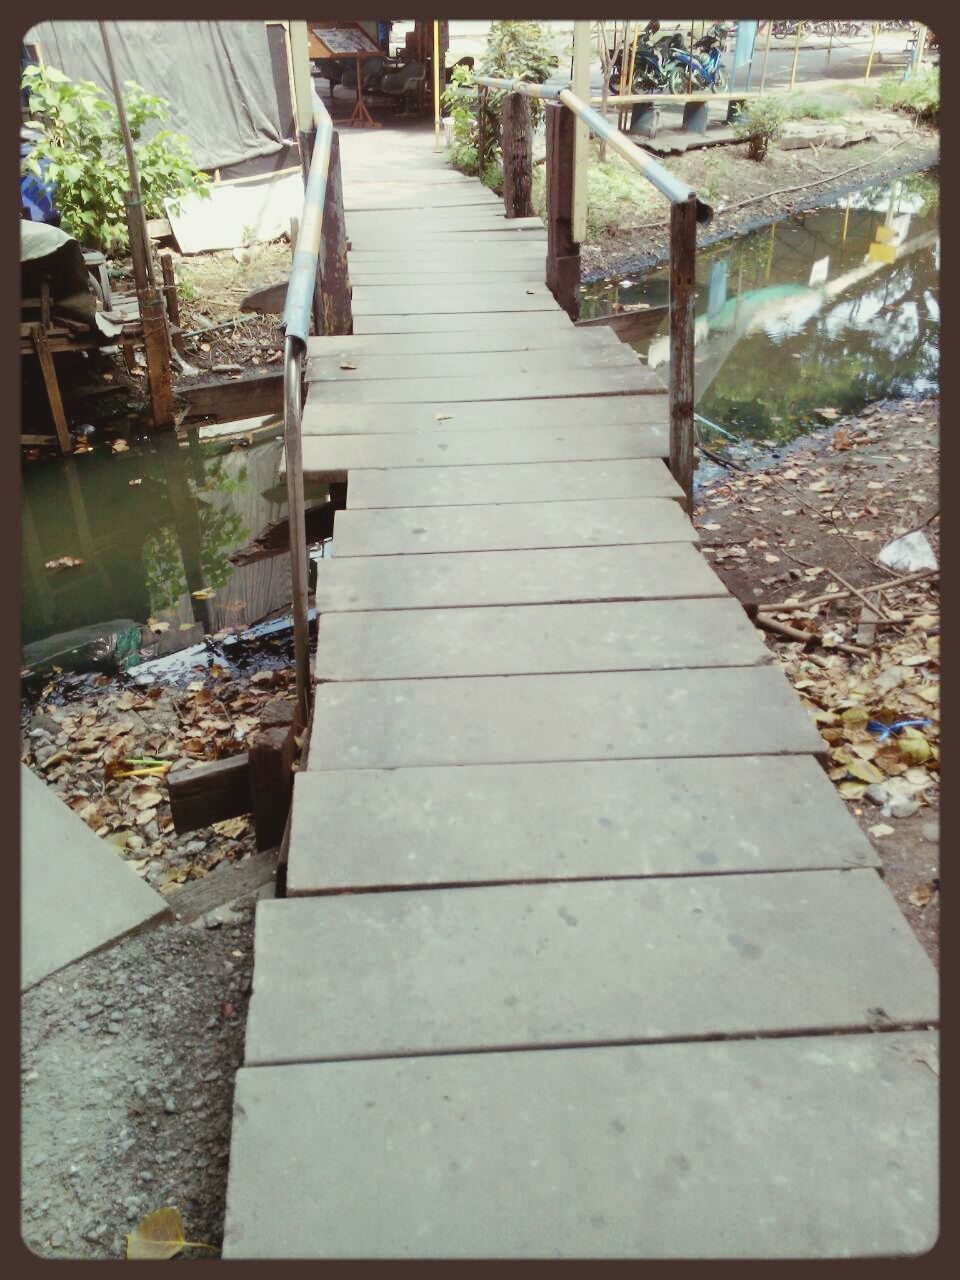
(803, 106)
(919, 96)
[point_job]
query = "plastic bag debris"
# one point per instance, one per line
(908, 554)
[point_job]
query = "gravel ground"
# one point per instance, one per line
(128, 1063)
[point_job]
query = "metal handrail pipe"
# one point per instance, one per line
(303, 273)
(638, 159)
(297, 313)
(664, 181)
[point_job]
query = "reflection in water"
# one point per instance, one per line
(153, 526)
(833, 308)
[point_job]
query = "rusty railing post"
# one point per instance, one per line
(563, 252)
(683, 250)
(516, 146)
(336, 293)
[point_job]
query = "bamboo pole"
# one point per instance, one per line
(796, 55)
(766, 50)
(873, 45)
(436, 84)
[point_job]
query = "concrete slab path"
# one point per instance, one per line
(582, 954)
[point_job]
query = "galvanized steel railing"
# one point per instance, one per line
(687, 209)
(297, 313)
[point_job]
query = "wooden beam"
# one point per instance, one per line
(516, 146)
(39, 339)
(204, 793)
(336, 293)
(271, 758)
(563, 252)
(580, 84)
(683, 249)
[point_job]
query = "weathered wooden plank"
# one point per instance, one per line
(330, 457)
(513, 526)
(383, 196)
(582, 963)
(504, 338)
(646, 635)
(615, 380)
(636, 715)
(460, 278)
(448, 322)
(470, 364)
(402, 261)
(745, 1148)
(561, 575)
(532, 482)
(437, 300)
(488, 824)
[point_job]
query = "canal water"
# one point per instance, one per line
(832, 308)
(153, 527)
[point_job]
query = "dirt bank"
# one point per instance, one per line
(795, 537)
(628, 238)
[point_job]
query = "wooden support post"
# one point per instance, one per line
(563, 252)
(516, 146)
(481, 128)
(683, 250)
(172, 301)
(581, 134)
(336, 294)
(156, 340)
(271, 758)
(45, 358)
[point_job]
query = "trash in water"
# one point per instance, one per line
(908, 554)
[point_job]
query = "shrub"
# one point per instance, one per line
(80, 151)
(515, 51)
(761, 124)
(919, 96)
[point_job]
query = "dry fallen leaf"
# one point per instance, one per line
(63, 562)
(159, 1237)
(143, 796)
(119, 446)
(231, 827)
(921, 895)
(205, 593)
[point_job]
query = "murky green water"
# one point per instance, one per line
(832, 308)
(153, 526)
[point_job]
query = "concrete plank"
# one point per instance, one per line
(636, 409)
(76, 893)
(386, 724)
(333, 456)
(559, 575)
(468, 364)
(484, 824)
(636, 635)
(532, 482)
(512, 526)
(586, 962)
(802, 1147)
(506, 339)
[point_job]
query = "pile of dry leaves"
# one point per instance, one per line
(107, 757)
(798, 542)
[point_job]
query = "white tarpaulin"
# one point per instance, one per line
(238, 213)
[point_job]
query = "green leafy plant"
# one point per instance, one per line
(80, 150)
(761, 124)
(515, 51)
(918, 96)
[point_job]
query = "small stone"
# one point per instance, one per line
(877, 793)
(170, 1106)
(145, 1175)
(931, 831)
(140, 1090)
(31, 1076)
(83, 1025)
(38, 1161)
(901, 807)
(114, 1028)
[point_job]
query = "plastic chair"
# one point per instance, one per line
(398, 84)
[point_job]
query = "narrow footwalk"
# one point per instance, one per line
(582, 954)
